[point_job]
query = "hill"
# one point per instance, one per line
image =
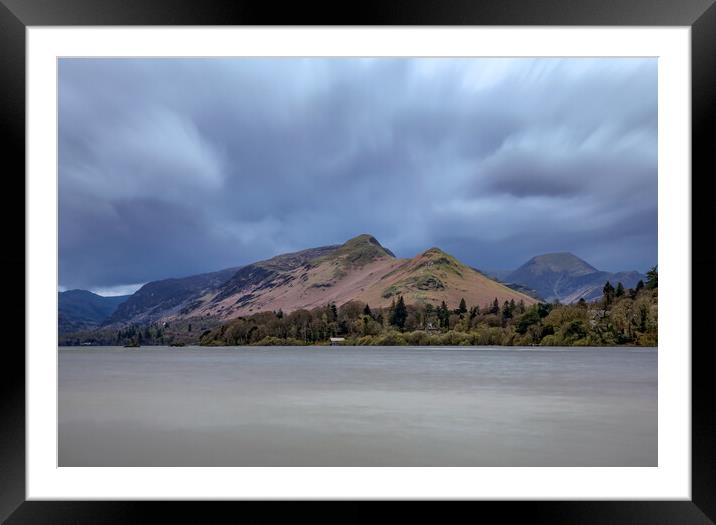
(84, 310)
(179, 297)
(157, 299)
(360, 269)
(567, 278)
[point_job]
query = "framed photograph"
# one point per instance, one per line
(410, 255)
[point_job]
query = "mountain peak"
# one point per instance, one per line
(363, 238)
(437, 256)
(565, 276)
(79, 293)
(559, 262)
(363, 248)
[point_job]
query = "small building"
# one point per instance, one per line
(337, 340)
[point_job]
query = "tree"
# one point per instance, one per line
(652, 278)
(334, 312)
(400, 314)
(529, 318)
(495, 307)
(444, 315)
(506, 311)
(366, 311)
(608, 292)
(391, 309)
(462, 309)
(188, 328)
(620, 290)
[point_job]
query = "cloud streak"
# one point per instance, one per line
(176, 166)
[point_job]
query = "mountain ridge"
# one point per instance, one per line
(565, 277)
(82, 309)
(359, 269)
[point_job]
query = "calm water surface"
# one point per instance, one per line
(357, 406)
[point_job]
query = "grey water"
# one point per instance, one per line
(357, 406)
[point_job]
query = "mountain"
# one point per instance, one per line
(360, 269)
(567, 278)
(178, 297)
(83, 310)
(499, 275)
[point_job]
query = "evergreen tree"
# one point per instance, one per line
(608, 292)
(444, 315)
(400, 314)
(462, 309)
(366, 311)
(506, 311)
(652, 278)
(639, 286)
(334, 312)
(495, 307)
(620, 290)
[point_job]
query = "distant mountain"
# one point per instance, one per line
(83, 310)
(567, 278)
(500, 275)
(360, 269)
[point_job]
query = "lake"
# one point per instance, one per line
(357, 406)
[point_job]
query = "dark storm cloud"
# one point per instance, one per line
(171, 167)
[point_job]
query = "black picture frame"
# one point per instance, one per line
(16, 15)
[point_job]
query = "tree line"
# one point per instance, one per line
(622, 316)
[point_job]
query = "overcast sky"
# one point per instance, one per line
(169, 167)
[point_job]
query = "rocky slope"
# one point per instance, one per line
(360, 269)
(182, 297)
